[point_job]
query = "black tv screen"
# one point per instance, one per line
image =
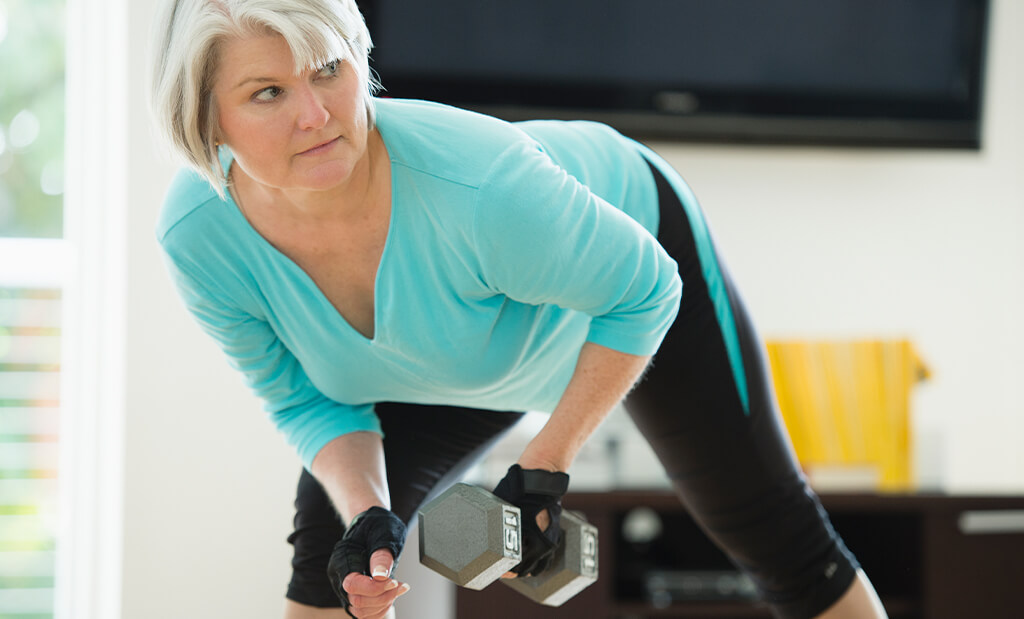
(880, 72)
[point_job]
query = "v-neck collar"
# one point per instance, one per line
(226, 158)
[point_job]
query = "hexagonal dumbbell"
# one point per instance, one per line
(573, 568)
(472, 537)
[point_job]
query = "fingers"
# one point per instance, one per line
(370, 598)
(372, 608)
(381, 564)
(543, 519)
(362, 585)
(543, 522)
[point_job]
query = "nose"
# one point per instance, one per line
(312, 110)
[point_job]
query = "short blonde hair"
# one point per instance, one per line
(187, 38)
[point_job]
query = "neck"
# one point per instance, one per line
(349, 201)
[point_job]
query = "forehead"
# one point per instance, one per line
(252, 57)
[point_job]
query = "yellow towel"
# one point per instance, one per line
(846, 404)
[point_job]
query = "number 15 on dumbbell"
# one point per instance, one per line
(472, 537)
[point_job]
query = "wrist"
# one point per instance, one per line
(373, 509)
(535, 461)
(358, 510)
(555, 446)
(539, 454)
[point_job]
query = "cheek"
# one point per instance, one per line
(357, 118)
(252, 128)
(255, 138)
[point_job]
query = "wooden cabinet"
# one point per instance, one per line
(929, 556)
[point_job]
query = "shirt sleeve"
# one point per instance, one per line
(308, 419)
(544, 238)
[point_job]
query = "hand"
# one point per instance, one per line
(537, 493)
(361, 564)
(543, 521)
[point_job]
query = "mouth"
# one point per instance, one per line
(321, 148)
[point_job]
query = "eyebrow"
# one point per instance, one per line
(268, 80)
(260, 80)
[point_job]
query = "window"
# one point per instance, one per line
(31, 118)
(31, 267)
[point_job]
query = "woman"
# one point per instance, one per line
(394, 277)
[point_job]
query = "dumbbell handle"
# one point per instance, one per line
(573, 569)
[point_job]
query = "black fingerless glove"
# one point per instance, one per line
(370, 531)
(532, 491)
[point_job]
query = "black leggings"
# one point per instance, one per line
(705, 405)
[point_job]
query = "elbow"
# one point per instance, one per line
(671, 287)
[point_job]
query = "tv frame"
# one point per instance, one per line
(699, 115)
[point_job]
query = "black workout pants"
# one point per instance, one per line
(728, 457)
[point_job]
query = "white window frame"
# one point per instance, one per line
(88, 582)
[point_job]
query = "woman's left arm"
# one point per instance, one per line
(544, 238)
(601, 379)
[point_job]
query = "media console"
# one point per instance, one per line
(930, 556)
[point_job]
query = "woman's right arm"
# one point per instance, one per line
(351, 470)
(341, 445)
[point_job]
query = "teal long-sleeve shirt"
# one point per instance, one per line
(509, 246)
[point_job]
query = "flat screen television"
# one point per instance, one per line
(844, 72)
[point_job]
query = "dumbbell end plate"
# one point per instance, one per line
(469, 537)
(573, 569)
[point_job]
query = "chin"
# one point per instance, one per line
(327, 175)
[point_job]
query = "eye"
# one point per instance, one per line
(266, 95)
(330, 69)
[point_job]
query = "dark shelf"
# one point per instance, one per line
(896, 607)
(922, 560)
(693, 609)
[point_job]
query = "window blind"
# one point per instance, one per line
(30, 321)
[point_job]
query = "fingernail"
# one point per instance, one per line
(391, 585)
(381, 571)
(404, 589)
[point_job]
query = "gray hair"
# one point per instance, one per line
(187, 38)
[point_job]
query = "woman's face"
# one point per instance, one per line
(289, 131)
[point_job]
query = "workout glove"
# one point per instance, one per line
(370, 531)
(534, 490)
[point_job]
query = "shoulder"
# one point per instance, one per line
(206, 248)
(596, 154)
(187, 194)
(559, 134)
(448, 142)
(199, 232)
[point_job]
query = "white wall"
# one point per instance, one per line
(922, 243)
(823, 241)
